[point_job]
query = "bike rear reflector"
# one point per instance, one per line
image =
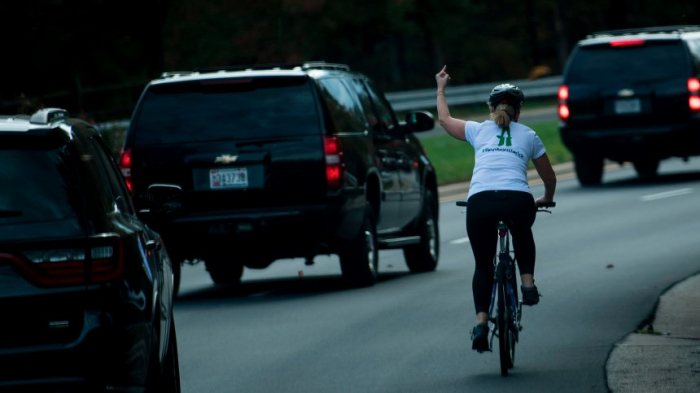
(626, 43)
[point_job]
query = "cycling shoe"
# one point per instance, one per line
(531, 295)
(480, 338)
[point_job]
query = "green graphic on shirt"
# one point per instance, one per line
(503, 139)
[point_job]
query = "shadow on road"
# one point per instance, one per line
(276, 289)
(666, 178)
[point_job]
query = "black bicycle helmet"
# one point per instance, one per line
(512, 94)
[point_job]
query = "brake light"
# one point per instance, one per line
(563, 95)
(72, 263)
(694, 91)
(626, 43)
(334, 160)
(125, 165)
(563, 112)
(693, 85)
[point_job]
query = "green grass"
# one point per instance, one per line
(454, 159)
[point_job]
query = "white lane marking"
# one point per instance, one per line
(667, 194)
(460, 241)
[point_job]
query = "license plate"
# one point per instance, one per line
(228, 178)
(623, 107)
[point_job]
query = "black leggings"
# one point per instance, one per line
(484, 210)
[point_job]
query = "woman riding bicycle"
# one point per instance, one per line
(499, 191)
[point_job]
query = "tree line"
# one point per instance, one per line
(93, 57)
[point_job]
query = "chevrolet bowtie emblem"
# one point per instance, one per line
(625, 93)
(225, 159)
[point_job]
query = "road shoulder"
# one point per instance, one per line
(667, 357)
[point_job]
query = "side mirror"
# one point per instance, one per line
(418, 121)
(164, 200)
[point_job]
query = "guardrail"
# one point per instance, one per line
(471, 94)
(456, 95)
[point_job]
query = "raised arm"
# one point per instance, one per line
(454, 127)
(549, 178)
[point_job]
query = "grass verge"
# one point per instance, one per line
(454, 159)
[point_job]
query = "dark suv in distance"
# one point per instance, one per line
(253, 164)
(632, 96)
(86, 289)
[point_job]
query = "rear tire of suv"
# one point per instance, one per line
(223, 271)
(423, 257)
(589, 169)
(646, 168)
(359, 258)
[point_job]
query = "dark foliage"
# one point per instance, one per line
(93, 57)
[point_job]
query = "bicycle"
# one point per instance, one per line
(506, 322)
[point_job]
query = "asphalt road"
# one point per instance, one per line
(604, 256)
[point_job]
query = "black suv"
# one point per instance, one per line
(632, 96)
(257, 163)
(86, 289)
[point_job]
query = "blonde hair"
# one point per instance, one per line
(502, 114)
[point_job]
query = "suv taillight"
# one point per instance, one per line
(57, 264)
(563, 95)
(125, 165)
(694, 98)
(334, 160)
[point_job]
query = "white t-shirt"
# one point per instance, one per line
(502, 157)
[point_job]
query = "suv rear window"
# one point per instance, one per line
(225, 109)
(647, 62)
(50, 188)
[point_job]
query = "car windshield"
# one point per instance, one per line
(648, 62)
(226, 109)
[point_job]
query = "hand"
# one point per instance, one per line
(542, 201)
(441, 78)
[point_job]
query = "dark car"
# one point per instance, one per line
(632, 96)
(86, 289)
(249, 165)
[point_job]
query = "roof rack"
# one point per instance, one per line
(269, 66)
(641, 30)
(309, 65)
(172, 74)
(322, 65)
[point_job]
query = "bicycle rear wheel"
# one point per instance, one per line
(504, 332)
(511, 310)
